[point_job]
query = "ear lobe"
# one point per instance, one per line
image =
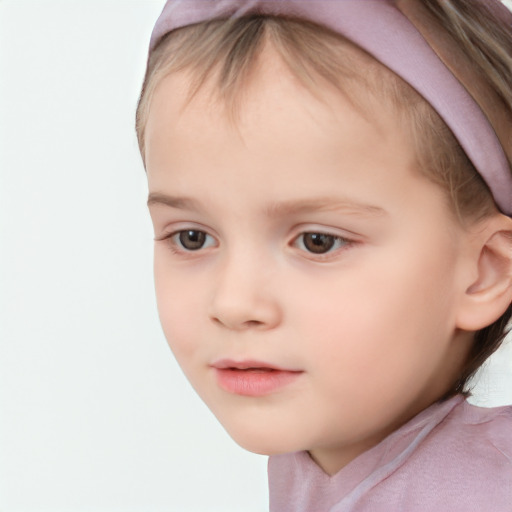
(490, 294)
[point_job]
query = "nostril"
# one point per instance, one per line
(251, 313)
(247, 324)
(253, 323)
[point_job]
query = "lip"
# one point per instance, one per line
(251, 377)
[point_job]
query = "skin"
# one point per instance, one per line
(371, 324)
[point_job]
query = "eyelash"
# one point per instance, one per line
(177, 244)
(337, 243)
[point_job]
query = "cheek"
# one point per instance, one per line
(377, 322)
(178, 306)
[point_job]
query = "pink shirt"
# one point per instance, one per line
(452, 457)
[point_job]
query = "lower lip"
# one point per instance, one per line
(254, 382)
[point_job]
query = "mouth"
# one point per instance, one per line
(229, 364)
(252, 378)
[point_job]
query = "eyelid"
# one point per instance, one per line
(169, 234)
(177, 227)
(349, 240)
(326, 230)
(174, 239)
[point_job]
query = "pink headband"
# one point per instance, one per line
(396, 34)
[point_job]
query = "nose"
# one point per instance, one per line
(245, 296)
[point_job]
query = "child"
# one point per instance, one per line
(331, 194)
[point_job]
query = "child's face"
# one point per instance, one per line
(360, 312)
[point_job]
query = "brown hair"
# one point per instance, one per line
(227, 51)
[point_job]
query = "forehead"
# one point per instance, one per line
(286, 145)
(273, 101)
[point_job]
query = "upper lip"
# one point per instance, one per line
(224, 364)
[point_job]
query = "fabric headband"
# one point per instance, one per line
(396, 33)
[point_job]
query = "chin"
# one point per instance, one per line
(263, 438)
(261, 446)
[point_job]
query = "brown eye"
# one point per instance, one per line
(192, 240)
(318, 243)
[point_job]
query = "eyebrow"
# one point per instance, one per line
(323, 204)
(284, 208)
(181, 203)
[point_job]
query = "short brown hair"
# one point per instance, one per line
(227, 52)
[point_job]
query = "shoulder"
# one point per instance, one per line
(467, 460)
(487, 431)
(474, 441)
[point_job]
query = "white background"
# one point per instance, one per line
(94, 413)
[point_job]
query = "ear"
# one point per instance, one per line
(489, 294)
